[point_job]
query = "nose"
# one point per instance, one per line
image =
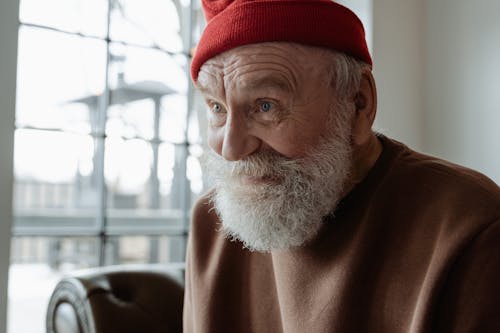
(238, 141)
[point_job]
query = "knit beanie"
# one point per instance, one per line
(233, 23)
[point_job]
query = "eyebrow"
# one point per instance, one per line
(269, 82)
(202, 89)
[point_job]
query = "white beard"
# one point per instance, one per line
(288, 210)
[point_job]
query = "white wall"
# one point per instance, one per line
(8, 53)
(463, 83)
(398, 54)
(437, 67)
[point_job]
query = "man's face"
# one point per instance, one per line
(266, 97)
(281, 145)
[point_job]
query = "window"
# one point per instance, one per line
(107, 141)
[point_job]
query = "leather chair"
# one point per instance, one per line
(121, 299)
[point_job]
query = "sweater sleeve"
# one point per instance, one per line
(471, 295)
(197, 255)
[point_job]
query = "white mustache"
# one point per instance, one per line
(261, 164)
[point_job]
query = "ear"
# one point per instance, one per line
(366, 108)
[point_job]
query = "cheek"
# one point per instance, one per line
(215, 137)
(301, 131)
(291, 144)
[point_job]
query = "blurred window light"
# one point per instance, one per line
(107, 141)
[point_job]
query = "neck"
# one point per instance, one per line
(364, 158)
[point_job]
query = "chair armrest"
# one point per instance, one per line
(122, 299)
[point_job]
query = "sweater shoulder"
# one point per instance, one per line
(446, 180)
(450, 172)
(203, 214)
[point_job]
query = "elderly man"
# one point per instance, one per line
(316, 223)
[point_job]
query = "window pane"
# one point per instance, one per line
(172, 175)
(145, 73)
(173, 118)
(59, 79)
(55, 180)
(147, 89)
(133, 119)
(127, 170)
(145, 186)
(138, 197)
(149, 23)
(145, 249)
(37, 264)
(85, 16)
(194, 171)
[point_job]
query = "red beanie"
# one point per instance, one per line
(232, 23)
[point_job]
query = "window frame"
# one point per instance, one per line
(103, 222)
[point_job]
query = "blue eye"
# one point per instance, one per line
(266, 106)
(216, 108)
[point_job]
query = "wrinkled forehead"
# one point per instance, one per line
(281, 64)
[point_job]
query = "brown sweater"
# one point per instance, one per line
(413, 248)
